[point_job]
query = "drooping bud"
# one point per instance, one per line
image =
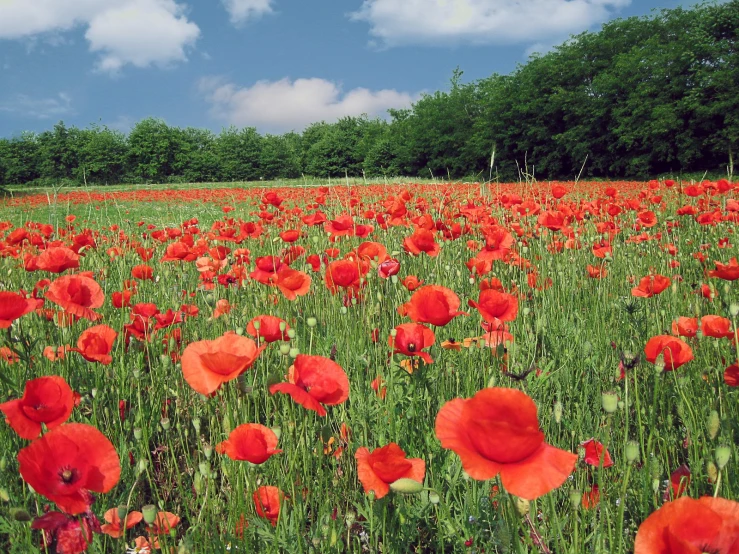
(406, 486)
(713, 425)
(723, 455)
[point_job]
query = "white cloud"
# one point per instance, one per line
(136, 32)
(38, 108)
(441, 22)
(284, 105)
(242, 10)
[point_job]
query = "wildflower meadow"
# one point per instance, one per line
(534, 367)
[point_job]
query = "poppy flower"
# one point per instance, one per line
(314, 381)
(14, 306)
(432, 304)
(679, 481)
(291, 282)
(495, 306)
(69, 461)
(223, 307)
(66, 534)
(411, 282)
(96, 343)
(388, 268)
(269, 328)
(728, 272)
(121, 299)
(48, 400)
(651, 285)
(410, 339)
(57, 259)
(591, 497)
(378, 469)
(497, 432)
(163, 525)
(498, 244)
(596, 454)
(731, 375)
(345, 274)
(422, 240)
(143, 272)
(114, 526)
(716, 326)
(207, 364)
(77, 295)
(673, 350)
(686, 526)
(373, 251)
(250, 442)
(597, 271)
(267, 502)
(685, 326)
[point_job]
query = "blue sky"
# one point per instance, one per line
(273, 64)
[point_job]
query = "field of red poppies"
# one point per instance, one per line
(533, 367)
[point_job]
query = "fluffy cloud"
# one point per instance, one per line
(241, 10)
(38, 108)
(136, 32)
(284, 105)
(441, 22)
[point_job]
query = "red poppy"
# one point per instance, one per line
(48, 400)
(14, 306)
(291, 282)
(67, 534)
(57, 259)
(728, 272)
(496, 307)
(121, 299)
(96, 343)
(267, 502)
(591, 497)
(597, 271)
(680, 480)
(497, 432)
(114, 526)
(223, 307)
(432, 304)
(498, 243)
(388, 268)
(143, 272)
(410, 339)
(269, 328)
(69, 461)
(422, 240)
(673, 351)
(731, 375)
(685, 326)
(651, 285)
(378, 469)
(716, 326)
(411, 282)
(77, 295)
(345, 274)
(207, 364)
(313, 381)
(372, 251)
(250, 442)
(596, 454)
(687, 526)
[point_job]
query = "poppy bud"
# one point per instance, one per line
(294, 352)
(208, 451)
(655, 469)
(284, 349)
(632, 451)
(609, 400)
(19, 514)
(350, 517)
(312, 322)
(164, 422)
(196, 424)
(141, 467)
(150, 513)
(723, 455)
(655, 485)
(406, 486)
(575, 499)
(291, 334)
(522, 505)
(137, 433)
(344, 310)
(204, 468)
(240, 331)
(714, 424)
(434, 497)
(4, 496)
(734, 309)
(3, 463)
(712, 472)
(558, 409)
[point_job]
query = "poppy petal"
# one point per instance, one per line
(545, 470)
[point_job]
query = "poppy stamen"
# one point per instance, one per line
(67, 475)
(412, 347)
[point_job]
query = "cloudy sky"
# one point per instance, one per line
(272, 64)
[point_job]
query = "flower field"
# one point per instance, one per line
(524, 368)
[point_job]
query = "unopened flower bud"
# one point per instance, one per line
(632, 451)
(312, 322)
(406, 486)
(558, 410)
(150, 513)
(723, 455)
(293, 353)
(712, 472)
(164, 422)
(284, 349)
(713, 425)
(609, 400)
(522, 506)
(137, 433)
(734, 309)
(575, 499)
(204, 468)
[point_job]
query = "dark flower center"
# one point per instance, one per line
(68, 475)
(411, 347)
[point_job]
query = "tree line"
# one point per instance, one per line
(643, 96)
